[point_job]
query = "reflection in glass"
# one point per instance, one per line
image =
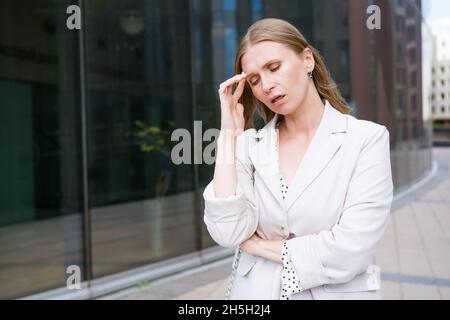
(138, 82)
(40, 196)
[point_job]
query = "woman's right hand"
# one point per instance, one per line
(232, 112)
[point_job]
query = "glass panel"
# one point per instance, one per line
(40, 194)
(215, 28)
(139, 91)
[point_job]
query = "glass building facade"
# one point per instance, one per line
(87, 116)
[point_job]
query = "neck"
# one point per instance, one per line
(306, 118)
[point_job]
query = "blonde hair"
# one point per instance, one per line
(283, 32)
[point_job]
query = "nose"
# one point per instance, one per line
(267, 84)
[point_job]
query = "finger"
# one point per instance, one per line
(237, 92)
(240, 88)
(240, 109)
(231, 81)
(236, 109)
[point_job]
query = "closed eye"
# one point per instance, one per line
(255, 81)
(275, 69)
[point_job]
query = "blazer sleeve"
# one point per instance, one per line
(338, 255)
(232, 220)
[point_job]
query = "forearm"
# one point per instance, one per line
(267, 249)
(225, 176)
(270, 249)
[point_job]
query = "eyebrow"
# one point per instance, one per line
(249, 75)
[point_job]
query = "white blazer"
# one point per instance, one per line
(336, 210)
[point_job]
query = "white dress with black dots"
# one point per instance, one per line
(289, 280)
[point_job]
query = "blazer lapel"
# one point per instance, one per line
(326, 142)
(265, 157)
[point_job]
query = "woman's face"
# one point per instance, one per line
(277, 75)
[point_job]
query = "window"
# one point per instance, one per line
(414, 102)
(399, 24)
(410, 12)
(400, 53)
(413, 78)
(433, 109)
(442, 96)
(40, 218)
(442, 109)
(401, 75)
(415, 128)
(411, 32)
(412, 56)
(401, 101)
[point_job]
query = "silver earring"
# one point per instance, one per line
(310, 75)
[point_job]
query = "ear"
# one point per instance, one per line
(308, 58)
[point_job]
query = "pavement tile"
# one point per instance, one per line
(445, 292)
(212, 291)
(391, 290)
(419, 292)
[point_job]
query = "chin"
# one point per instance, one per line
(284, 110)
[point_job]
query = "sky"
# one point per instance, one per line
(436, 10)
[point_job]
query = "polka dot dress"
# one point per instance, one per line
(289, 280)
(284, 188)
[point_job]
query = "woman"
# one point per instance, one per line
(307, 197)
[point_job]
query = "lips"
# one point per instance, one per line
(277, 98)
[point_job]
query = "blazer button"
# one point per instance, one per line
(291, 235)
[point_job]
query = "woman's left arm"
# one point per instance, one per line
(268, 249)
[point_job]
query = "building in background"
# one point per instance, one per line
(390, 62)
(87, 117)
(441, 75)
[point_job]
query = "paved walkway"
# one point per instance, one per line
(414, 254)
